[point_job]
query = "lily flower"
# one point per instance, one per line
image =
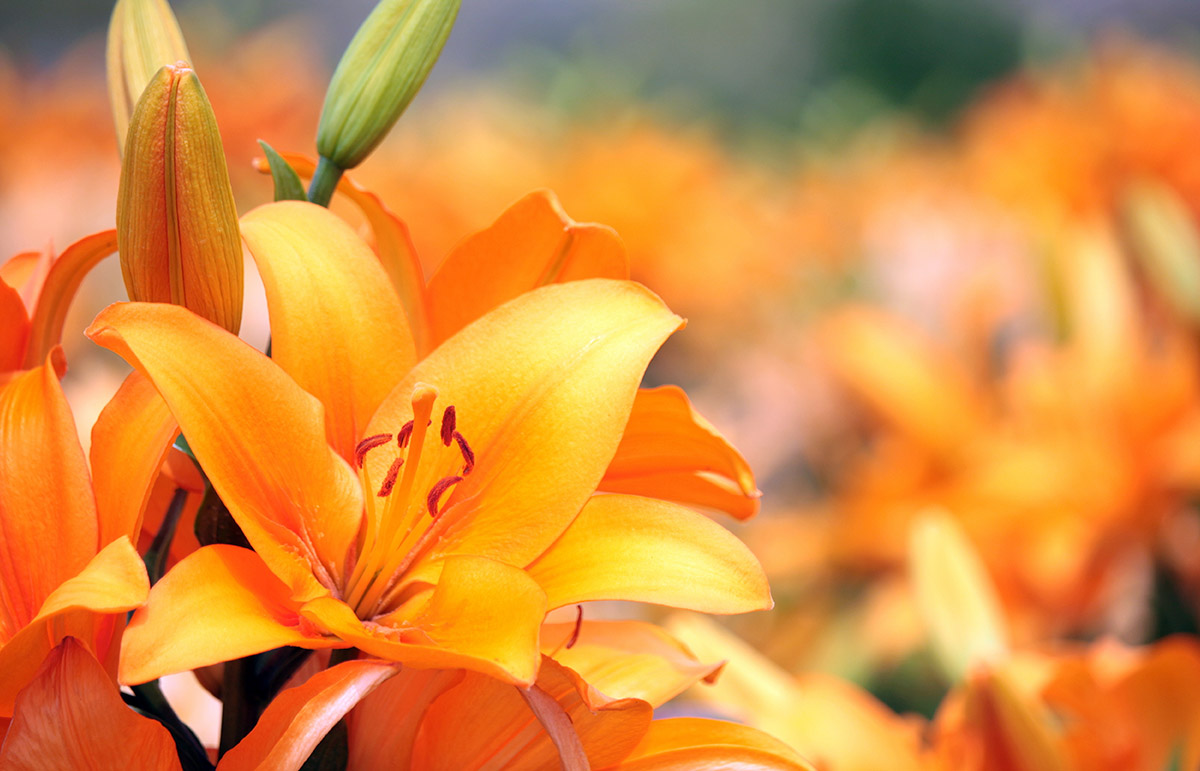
(400, 506)
(67, 565)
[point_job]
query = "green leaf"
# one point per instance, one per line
(287, 182)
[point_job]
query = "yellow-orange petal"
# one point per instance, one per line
(622, 547)
(627, 659)
(219, 603)
(381, 732)
(955, 596)
(472, 593)
(298, 718)
(336, 325)
(392, 244)
(58, 290)
(532, 244)
(14, 329)
(484, 723)
(259, 437)
(670, 451)
(72, 717)
(112, 583)
(686, 743)
(48, 529)
(830, 721)
(542, 386)
(130, 440)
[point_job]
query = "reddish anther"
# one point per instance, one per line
(405, 434)
(389, 481)
(467, 453)
(436, 493)
(367, 444)
(448, 423)
(574, 638)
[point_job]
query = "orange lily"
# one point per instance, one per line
(383, 497)
(590, 708)
(67, 566)
(71, 716)
(668, 450)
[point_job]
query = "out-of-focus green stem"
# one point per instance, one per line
(324, 182)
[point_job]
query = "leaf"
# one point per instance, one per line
(287, 182)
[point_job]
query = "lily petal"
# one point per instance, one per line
(71, 717)
(384, 727)
(627, 659)
(532, 244)
(259, 437)
(130, 440)
(112, 583)
(473, 593)
(393, 246)
(622, 547)
(542, 386)
(298, 718)
(61, 284)
(336, 326)
(219, 603)
(48, 529)
(667, 451)
(482, 723)
(684, 744)
(14, 320)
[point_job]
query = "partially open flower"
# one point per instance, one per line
(177, 227)
(143, 36)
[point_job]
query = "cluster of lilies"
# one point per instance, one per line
(355, 539)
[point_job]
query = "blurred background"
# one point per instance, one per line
(935, 255)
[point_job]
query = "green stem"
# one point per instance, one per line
(160, 548)
(239, 710)
(324, 182)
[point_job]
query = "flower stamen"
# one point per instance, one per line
(437, 491)
(467, 453)
(389, 481)
(448, 423)
(366, 445)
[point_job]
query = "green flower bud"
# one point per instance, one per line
(379, 74)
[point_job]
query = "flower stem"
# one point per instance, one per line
(160, 548)
(324, 182)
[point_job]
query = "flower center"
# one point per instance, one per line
(397, 526)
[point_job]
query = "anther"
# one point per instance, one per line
(467, 453)
(448, 422)
(367, 444)
(405, 434)
(574, 638)
(389, 481)
(436, 493)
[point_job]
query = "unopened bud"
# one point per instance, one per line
(379, 74)
(143, 36)
(177, 226)
(1165, 238)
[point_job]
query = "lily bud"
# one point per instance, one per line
(379, 74)
(177, 225)
(1166, 240)
(143, 36)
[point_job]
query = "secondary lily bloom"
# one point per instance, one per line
(400, 506)
(67, 566)
(590, 708)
